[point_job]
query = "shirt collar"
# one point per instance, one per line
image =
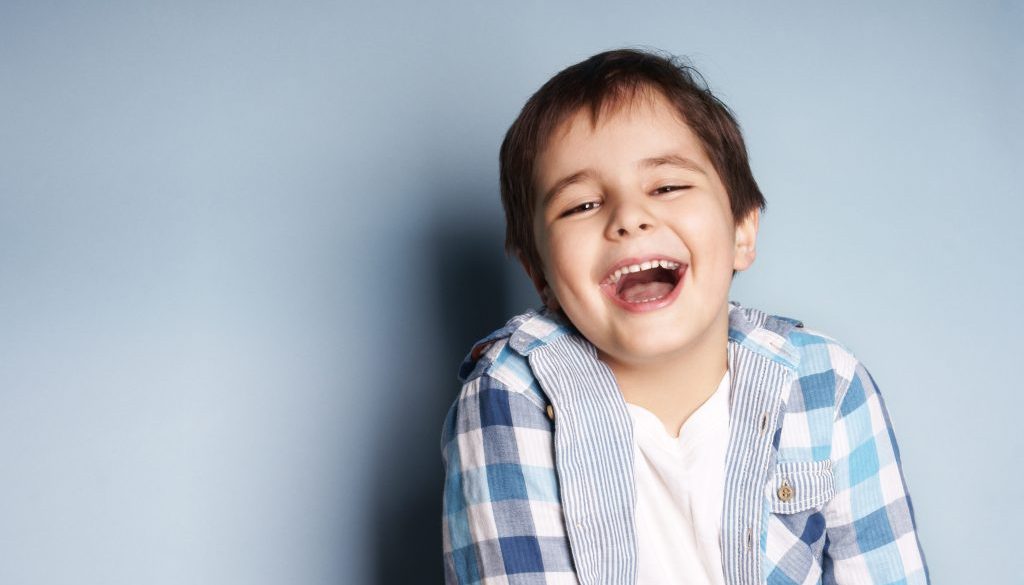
(751, 328)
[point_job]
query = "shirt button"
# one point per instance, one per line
(551, 412)
(764, 423)
(785, 492)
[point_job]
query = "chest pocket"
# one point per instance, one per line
(798, 486)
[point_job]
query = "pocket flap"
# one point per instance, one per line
(801, 485)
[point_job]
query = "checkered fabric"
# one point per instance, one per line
(531, 498)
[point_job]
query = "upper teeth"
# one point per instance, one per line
(667, 264)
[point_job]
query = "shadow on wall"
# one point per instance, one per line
(468, 270)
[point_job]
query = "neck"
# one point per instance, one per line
(674, 387)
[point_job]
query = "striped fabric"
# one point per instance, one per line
(598, 487)
(539, 482)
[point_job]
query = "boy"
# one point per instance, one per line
(640, 427)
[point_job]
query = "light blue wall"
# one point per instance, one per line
(234, 238)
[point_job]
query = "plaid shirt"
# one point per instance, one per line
(539, 485)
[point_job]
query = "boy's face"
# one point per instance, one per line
(637, 188)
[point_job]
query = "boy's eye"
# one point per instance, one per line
(669, 189)
(587, 206)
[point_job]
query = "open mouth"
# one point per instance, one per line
(650, 284)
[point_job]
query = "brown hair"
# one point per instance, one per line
(599, 83)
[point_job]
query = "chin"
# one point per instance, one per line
(650, 349)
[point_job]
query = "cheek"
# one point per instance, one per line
(569, 263)
(562, 245)
(707, 229)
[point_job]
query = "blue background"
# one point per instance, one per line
(244, 246)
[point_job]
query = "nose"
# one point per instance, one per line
(629, 219)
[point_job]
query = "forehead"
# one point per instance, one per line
(626, 131)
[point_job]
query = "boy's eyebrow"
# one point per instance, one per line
(674, 160)
(562, 184)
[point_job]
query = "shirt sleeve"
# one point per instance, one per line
(502, 518)
(871, 533)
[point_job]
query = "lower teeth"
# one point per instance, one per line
(644, 300)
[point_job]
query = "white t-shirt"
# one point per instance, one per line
(680, 485)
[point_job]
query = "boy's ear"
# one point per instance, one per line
(539, 282)
(746, 240)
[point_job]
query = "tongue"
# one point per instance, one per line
(639, 291)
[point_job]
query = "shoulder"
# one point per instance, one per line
(827, 366)
(828, 382)
(823, 366)
(493, 357)
(498, 388)
(500, 359)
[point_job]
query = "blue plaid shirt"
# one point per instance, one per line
(539, 485)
